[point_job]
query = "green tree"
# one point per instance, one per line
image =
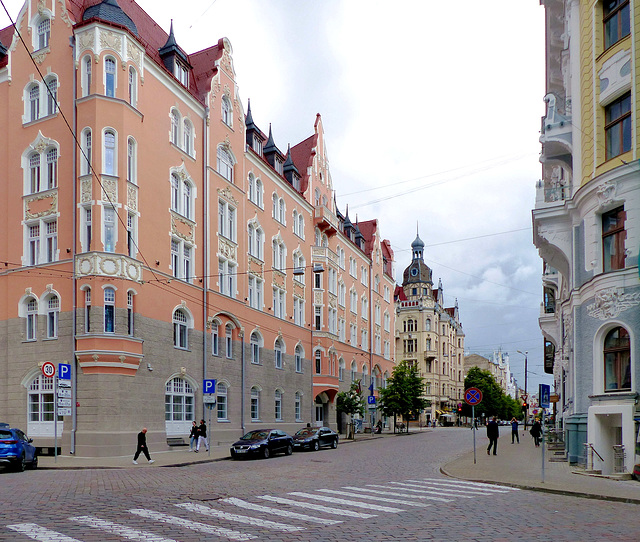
(404, 394)
(494, 401)
(351, 402)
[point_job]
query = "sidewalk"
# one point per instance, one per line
(520, 465)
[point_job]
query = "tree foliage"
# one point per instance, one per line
(404, 394)
(494, 401)
(351, 402)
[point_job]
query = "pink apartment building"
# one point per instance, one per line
(118, 152)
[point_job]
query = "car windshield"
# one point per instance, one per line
(306, 432)
(255, 435)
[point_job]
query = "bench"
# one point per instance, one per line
(176, 441)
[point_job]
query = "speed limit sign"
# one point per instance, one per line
(48, 369)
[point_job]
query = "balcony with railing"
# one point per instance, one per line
(325, 220)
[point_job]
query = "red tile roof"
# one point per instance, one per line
(399, 293)
(302, 156)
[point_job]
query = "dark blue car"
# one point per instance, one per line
(262, 443)
(16, 450)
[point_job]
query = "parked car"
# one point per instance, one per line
(16, 450)
(313, 438)
(262, 443)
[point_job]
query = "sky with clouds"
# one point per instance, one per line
(432, 115)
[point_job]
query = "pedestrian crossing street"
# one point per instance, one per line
(295, 511)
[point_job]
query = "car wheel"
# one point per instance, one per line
(334, 444)
(265, 452)
(289, 450)
(316, 445)
(233, 454)
(21, 464)
(34, 463)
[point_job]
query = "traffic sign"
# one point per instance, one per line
(48, 369)
(64, 392)
(545, 392)
(209, 385)
(64, 411)
(371, 399)
(64, 371)
(524, 396)
(64, 402)
(472, 396)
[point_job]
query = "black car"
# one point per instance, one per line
(314, 438)
(16, 449)
(262, 443)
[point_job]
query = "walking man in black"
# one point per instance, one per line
(493, 432)
(142, 447)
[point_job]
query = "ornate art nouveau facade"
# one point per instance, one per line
(156, 237)
(587, 226)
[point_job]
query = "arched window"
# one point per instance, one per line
(428, 325)
(225, 164)
(282, 211)
(86, 152)
(32, 319)
(278, 349)
(279, 254)
(34, 102)
(255, 347)
(175, 127)
(318, 360)
(130, 314)
(179, 402)
(341, 368)
(228, 341)
(187, 132)
(278, 405)
(298, 266)
(109, 233)
(255, 404)
(110, 77)
(86, 75)
(215, 339)
(109, 160)
(301, 225)
(227, 111)
(51, 85)
(256, 241)
(180, 334)
(35, 173)
(53, 309)
(109, 310)
(274, 210)
(44, 33)
(617, 360)
(298, 406)
(182, 196)
(259, 194)
(354, 373)
(133, 87)
(221, 401)
(87, 310)
(298, 356)
(132, 151)
(365, 372)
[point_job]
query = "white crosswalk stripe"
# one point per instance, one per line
(193, 525)
(277, 512)
(356, 504)
(211, 512)
(439, 490)
(411, 488)
(373, 497)
(317, 507)
(480, 485)
(395, 492)
(35, 532)
(120, 530)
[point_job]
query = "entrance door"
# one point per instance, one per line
(319, 415)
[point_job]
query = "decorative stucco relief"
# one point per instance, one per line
(109, 40)
(132, 197)
(87, 40)
(133, 53)
(182, 228)
(64, 14)
(30, 213)
(611, 302)
(227, 249)
(110, 190)
(227, 194)
(606, 193)
(109, 265)
(85, 190)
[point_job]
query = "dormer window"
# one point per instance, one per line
(227, 115)
(278, 166)
(182, 74)
(257, 145)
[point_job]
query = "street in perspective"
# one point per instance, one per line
(325, 270)
(378, 487)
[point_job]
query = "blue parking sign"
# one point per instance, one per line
(371, 399)
(209, 385)
(64, 371)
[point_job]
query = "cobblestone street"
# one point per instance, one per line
(380, 489)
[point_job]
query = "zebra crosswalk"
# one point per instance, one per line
(285, 512)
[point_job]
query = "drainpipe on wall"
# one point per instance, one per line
(74, 367)
(242, 390)
(205, 219)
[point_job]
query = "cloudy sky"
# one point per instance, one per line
(426, 127)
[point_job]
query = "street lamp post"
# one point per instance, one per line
(526, 410)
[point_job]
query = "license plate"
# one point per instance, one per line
(241, 451)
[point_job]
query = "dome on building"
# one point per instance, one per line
(110, 11)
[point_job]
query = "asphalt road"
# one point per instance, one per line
(383, 489)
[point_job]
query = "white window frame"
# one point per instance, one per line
(227, 277)
(225, 164)
(110, 77)
(180, 320)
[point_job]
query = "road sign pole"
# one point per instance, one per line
(55, 419)
(473, 428)
(542, 444)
